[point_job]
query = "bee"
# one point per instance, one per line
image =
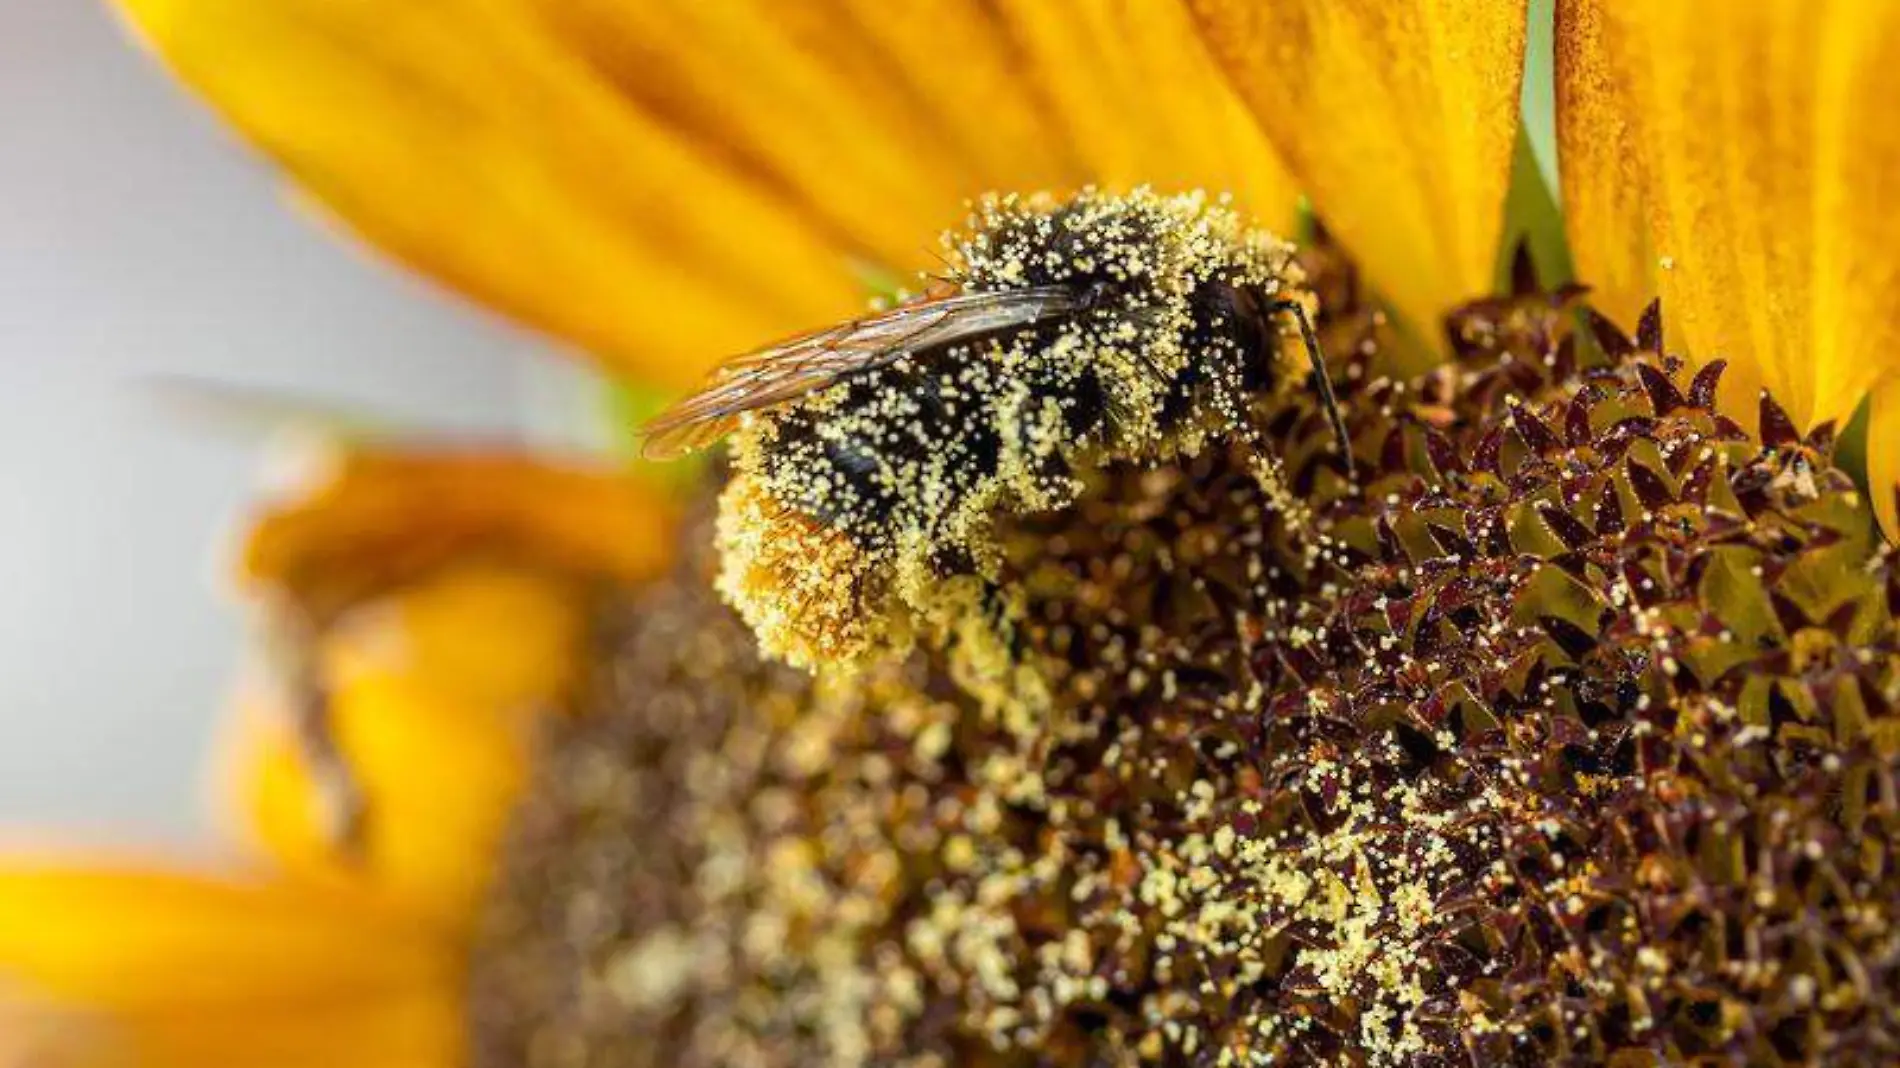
(873, 458)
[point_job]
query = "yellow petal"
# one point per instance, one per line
(1605, 216)
(467, 141)
(1398, 118)
(1141, 99)
(139, 968)
(448, 599)
(1768, 159)
(795, 96)
(1024, 96)
(670, 181)
(376, 519)
(883, 119)
(431, 697)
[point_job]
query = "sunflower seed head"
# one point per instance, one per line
(1566, 736)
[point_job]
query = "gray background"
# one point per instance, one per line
(138, 240)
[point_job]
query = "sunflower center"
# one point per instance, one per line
(1568, 731)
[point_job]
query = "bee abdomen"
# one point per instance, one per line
(902, 449)
(1087, 409)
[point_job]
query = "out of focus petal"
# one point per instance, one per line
(1397, 119)
(666, 183)
(432, 694)
(439, 602)
(376, 519)
(110, 966)
(468, 141)
(1768, 158)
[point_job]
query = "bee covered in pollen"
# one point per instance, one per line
(872, 459)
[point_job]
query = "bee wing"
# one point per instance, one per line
(780, 373)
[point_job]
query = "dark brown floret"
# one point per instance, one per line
(1567, 737)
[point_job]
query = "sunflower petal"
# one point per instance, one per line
(799, 96)
(376, 519)
(1021, 96)
(107, 966)
(1605, 217)
(1143, 102)
(1398, 119)
(667, 182)
(446, 598)
(466, 141)
(1767, 159)
(431, 694)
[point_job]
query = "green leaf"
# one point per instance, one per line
(628, 406)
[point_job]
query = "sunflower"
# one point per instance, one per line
(662, 184)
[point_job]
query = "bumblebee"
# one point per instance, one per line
(873, 458)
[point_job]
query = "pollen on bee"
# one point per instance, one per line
(800, 585)
(862, 513)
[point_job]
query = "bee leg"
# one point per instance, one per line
(1001, 622)
(292, 647)
(1320, 379)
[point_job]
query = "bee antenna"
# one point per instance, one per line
(1321, 380)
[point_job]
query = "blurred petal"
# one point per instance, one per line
(1398, 119)
(465, 140)
(379, 519)
(447, 596)
(431, 695)
(138, 968)
(478, 634)
(667, 182)
(1605, 217)
(1769, 160)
